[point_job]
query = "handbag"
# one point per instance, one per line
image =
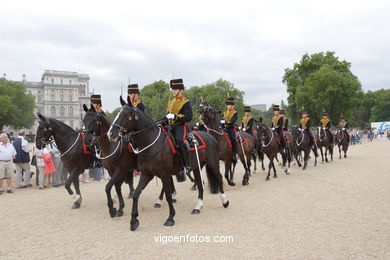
(34, 159)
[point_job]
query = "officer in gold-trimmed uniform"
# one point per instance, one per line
(228, 121)
(277, 125)
(96, 101)
(133, 92)
(247, 121)
(343, 124)
(305, 124)
(285, 120)
(179, 114)
(325, 124)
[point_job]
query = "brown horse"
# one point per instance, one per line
(115, 157)
(342, 138)
(245, 142)
(156, 158)
(324, 140)
(301, 140)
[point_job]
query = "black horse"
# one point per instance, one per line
(301, 140)
(325, 140)
(115, 156)
(155, 158)
(342, 138)
(73, 154)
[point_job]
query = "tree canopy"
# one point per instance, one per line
(17, 106)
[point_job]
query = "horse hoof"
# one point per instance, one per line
(134, 225)
(169, 223)
(267, 179)
(263, 169)
(226, 204)
(75, 205)
(130, 195)
(275, 176)
(113, 212)
(174, 200)
(157, 205)
(231, 183)
(245, 182)
(195, 211)
(193, 187)
(345, 156)
(119, 214)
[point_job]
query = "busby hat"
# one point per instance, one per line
(247, 109)
(96, 99)
(176, 84)
(229, 101)
(281, 111)
(303, 111)
(324, 114)
(342, 116)
(275, 107)
(132, 89)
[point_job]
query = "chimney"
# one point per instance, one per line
(24, 77)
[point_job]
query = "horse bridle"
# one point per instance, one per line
(302, 137)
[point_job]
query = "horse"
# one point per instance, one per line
(245, 145)
(302, 145)
(342, 137)
(115, 156)
(271, 148)
(156, 158)
(324, 140)
(70, 143)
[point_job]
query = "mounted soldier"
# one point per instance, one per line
(277, 125)
(247, 121)
(228, 122)
(325, 124)
(305, 124)
(285, 120)
(133, 93)
(343, 124)
(96, 101)
(179, 114)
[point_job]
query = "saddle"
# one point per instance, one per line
(192, 138)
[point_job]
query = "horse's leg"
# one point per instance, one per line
(345, 150)
(144, 179)
(296, 155)
(273, 166)
(118, 189)
(254, 157)
(270, 164)
(157, 203)
(173, 192)
(322, 155)
(262, 161)
(306, 158)
(69, 182)
(168, 188)
(339, 150)
(326, 153)
(247, 166)
(114, 179)
(228, 167)
(77, 197)
(131, 184)
(198, 180)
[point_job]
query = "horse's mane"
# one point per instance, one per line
(63, 125)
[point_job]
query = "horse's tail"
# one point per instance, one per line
(213, 181)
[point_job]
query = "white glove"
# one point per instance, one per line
(170, 116)
(300, 129)
(273, 128)
(239, 128)
(343, 128)
(197, 123)
(222, 121)
(244, 129)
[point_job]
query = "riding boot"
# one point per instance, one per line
(234, 150)
(185, 160)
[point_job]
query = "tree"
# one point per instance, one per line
(112, 115)
(17, 106)
(322, 82)
(155, 98)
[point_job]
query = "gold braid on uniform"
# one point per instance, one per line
(175, 105)
(275, 120)
(245, 120)
(228, 114)
(136, 102)
(304, 122)
(200, 120)
(324, 122)
(284, 121)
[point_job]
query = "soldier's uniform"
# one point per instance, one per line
(305, 124)
(96, 100)
(228, 122)
(181, 108)
(325, 124)
(133, 89)
(277, 125)
(285, 120)
(343, 123)
(247, 122)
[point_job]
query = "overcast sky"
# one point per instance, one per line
(249, 43)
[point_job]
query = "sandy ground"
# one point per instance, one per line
(338, 210)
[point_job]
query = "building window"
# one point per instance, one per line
(62, 81)
(52, 95)
(62, 111)
(70, 110)
(62, 95)
(52, 81)
(53, 111)
(70, 96)
(39, 98)
(70, 82)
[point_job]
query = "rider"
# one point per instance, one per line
(277, 125)
(179, 114)
(133, 92)
(229, 119)
(247, 121)
(305, 124)
(96, 101)
(343, 124)
(325, 124)
(285, 120)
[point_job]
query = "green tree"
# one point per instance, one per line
(155, 97)
(380, 110)
(322, 82)
(17, 106)
(112, 115)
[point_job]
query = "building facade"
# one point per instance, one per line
(61, 95)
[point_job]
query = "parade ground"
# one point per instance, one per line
(337, 210)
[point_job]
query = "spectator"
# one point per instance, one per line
(49, 168)
(22, 160)
(59, 177)
(7, 153)
(41, 167)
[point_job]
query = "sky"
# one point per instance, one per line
(249, 43)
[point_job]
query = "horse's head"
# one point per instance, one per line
(93, 124)
(127, 120)
(210, 113)
(44, 131)
(295, 132)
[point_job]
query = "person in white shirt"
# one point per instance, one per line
(7, 154)
(22, 160)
